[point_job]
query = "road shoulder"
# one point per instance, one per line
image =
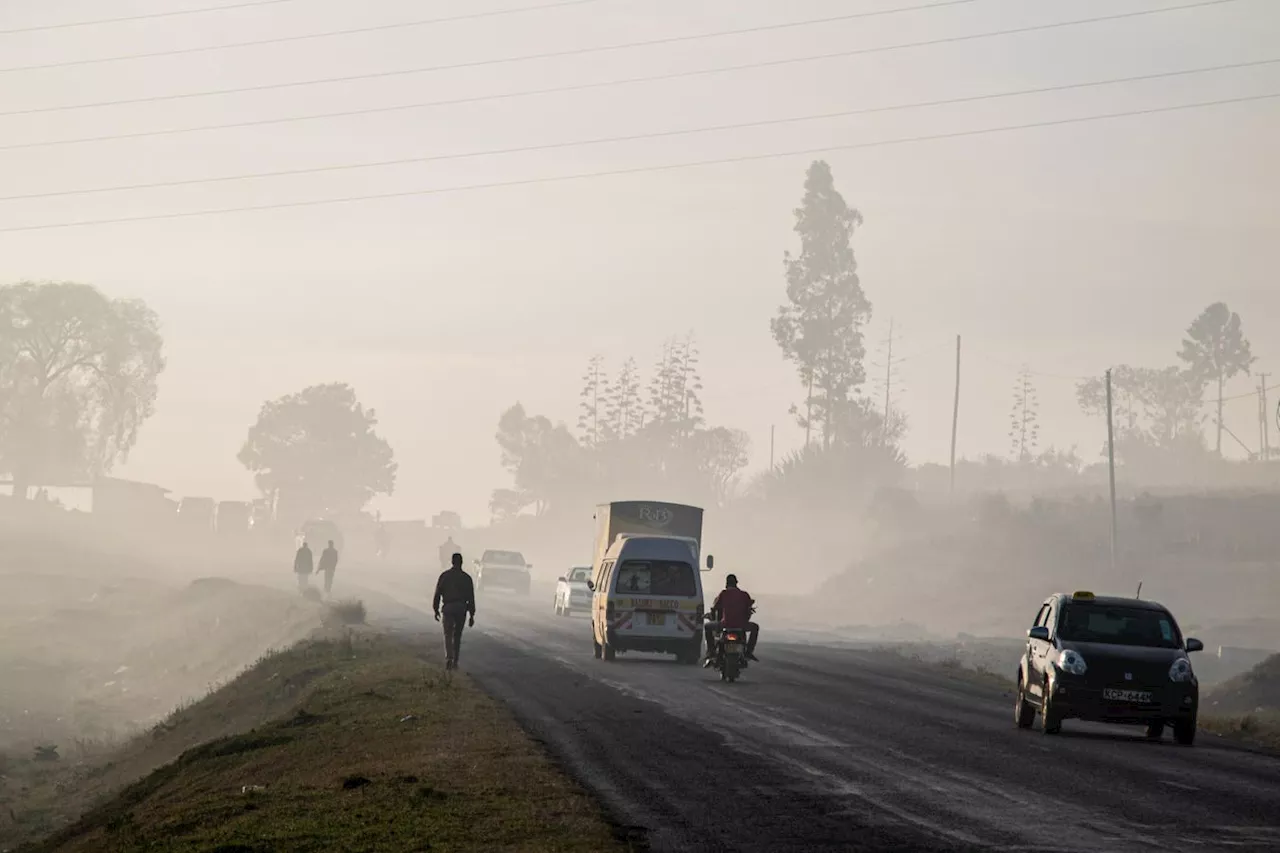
(379, 751)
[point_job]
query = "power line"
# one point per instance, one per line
(550, 146)
(184, 51)
(624, 46)
(145, 17)
(746, 158)
(430, 104)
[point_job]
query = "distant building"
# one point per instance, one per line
(446, 520)
(128, 499)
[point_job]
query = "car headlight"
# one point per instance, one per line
(1181, 670)
(1070, 661)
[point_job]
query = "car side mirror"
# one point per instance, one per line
(591, 585)
(711, 562)
(1039, 632)
(528, 565)
(1194, 645)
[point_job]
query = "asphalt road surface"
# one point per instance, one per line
(821, 748)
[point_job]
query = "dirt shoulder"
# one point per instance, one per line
(367, 747)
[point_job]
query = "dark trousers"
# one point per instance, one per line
(753, 634)
(304, 581)
(328, 580)
(454, 616)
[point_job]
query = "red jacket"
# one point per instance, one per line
(734, 607)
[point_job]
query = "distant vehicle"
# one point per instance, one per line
(573, 591)
(317, 533)
(1112, 660)
(503, 570)
(197, 513)
(233, 518)
(646, 587)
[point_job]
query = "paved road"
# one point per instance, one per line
(821, 748)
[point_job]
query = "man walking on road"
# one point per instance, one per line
(457, 593)
(302, 566)
(328, 565)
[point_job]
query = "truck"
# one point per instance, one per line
(646, 587)
(645, 518)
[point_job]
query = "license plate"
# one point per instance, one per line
(656, 618)
(1140, 697)
(733, 647)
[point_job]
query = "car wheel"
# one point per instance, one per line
(1050, 719)
(1155, 731)
(599, 650)
(1184, 731)
(1024, 713)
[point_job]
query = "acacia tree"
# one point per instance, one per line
(78, 377)
(820, 327)
(546, 463)
(1215, 350)
(316, 451)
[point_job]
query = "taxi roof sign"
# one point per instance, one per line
(1082, 595)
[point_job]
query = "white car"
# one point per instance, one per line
(573, 592)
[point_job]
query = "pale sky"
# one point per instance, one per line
(1070, 247)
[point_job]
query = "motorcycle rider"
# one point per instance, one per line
(457, 593)
(731, 609)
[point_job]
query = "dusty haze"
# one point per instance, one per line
(1070, 248)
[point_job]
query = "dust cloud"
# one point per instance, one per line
(869, 287)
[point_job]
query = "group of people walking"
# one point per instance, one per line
(304, 568)
(454, 601)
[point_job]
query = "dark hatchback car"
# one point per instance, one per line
(1111, 660)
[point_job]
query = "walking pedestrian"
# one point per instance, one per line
(328, 565)
(456, 597)
(302, 566)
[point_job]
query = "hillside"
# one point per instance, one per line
(1252, 691)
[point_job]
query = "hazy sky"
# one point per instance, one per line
(1070, 247)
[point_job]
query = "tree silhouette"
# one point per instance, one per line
(78, 377)
(1024, 419)
(624, 408)
(1215, 350)
(316, 452)
(593, 422)
(820, 327)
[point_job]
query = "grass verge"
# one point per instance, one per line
(379, 752)
(1261, 728)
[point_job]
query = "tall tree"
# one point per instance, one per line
(78, 377)
(317, 451)
(1024, 418)
(546, 463)
(624, 407)
(1215, 350)
(820, 327)
(593, 422)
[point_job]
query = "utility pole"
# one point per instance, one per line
(888, 375)
(1262, 416)
(1111, 465)
(955, 419)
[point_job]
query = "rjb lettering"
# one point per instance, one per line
(658, 516)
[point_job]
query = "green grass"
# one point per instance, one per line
(379, 752)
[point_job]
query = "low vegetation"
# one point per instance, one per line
(370, 749)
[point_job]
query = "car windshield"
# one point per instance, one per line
(504, 558)
(1118, 625)
(657, 577)
(580, 575)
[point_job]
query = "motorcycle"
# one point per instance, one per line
(730, 656)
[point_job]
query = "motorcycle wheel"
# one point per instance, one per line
(729, 670)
